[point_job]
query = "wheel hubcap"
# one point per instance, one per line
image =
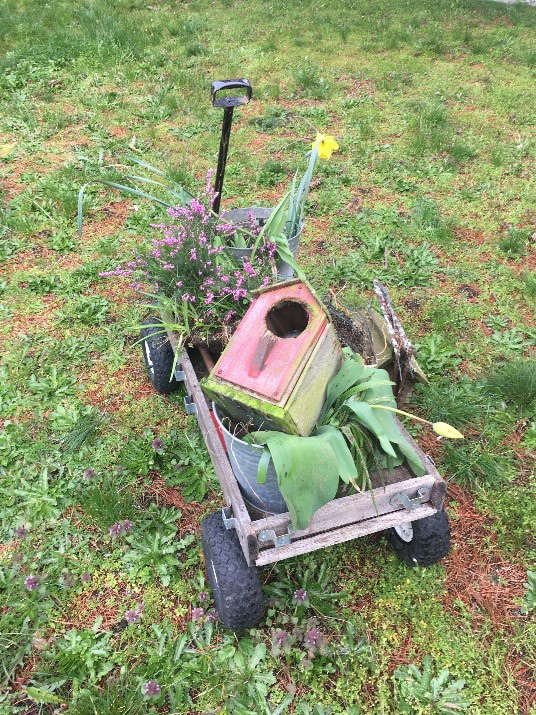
(405, 531)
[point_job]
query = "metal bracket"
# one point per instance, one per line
(229, 521)
(402, 499)
(278, 541)
(180, 375)
(190, 406)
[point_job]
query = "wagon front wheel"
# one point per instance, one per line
(158, 357)
(422, 542)
(235, 585)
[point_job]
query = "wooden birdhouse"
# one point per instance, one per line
(274, 372)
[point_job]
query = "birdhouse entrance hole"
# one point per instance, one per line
(288, 319)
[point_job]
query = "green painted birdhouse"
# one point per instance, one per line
(275, 370)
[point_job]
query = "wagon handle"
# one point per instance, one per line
(228, 103)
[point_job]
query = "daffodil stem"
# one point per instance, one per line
(401, 412)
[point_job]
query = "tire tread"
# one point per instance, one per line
(238, 593)
(430, 543)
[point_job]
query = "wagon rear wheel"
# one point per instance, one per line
(235, 585)
(158, 357)
(422, 542)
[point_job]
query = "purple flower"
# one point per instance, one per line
(212, 616)
(21, 532)
(120, 528)
(85, 577)
(312, 637)
(115, 530)
(203, 596)
(31, 583)
(158, 445)
(197, 613)
(151, 689)
(280, 638)
(132, 616)
(90, 473)
(300, 595)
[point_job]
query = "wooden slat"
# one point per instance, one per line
(348, 510)
(338, 536)
(222, 467)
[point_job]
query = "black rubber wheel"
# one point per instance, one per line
(429, 540)
(158, 357)
(235, 585)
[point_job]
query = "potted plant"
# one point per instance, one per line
(355, 433)
(196, 275)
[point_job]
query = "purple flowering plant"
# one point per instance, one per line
(190, 275)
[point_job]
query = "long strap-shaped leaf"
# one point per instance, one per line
(367, 418)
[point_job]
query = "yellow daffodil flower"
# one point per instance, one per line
(326, 145)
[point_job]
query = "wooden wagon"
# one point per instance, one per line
(239, 539)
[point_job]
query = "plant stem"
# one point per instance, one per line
(401, 412)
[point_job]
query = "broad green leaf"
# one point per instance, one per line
(133, 192)
(140, 162)
(287, 256)
(349, 374)
(307, 472)
(345, 463)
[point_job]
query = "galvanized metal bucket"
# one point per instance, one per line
(244, 460)
(261, 215)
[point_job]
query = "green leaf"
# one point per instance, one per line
(133, 192)
(349, 374)
(80, 209)
(307, 472)
(264, 461)
(367, 418)
(273, 226)
(258, 654)
(140, 162)
(39, 695)
(346, 466)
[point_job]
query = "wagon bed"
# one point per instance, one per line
(397, 498)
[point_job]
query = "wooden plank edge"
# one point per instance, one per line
(339, 536)
(349, 509)
(222, 467)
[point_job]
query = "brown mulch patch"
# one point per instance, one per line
(23, 675)
(468, 235)
(477, 573)
(33, 322)
(164, 495)
(112, 392)
(115, 215)
(9, 546)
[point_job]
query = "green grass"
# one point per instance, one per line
(432, 191)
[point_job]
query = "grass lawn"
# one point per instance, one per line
(432, 191)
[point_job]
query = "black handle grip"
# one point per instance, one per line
(237, 101)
